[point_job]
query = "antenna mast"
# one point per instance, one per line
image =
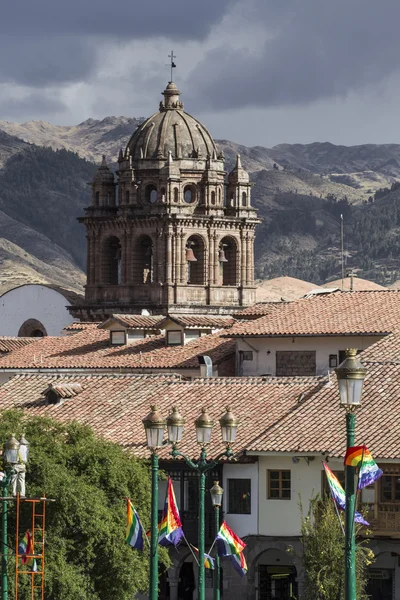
(342, 246)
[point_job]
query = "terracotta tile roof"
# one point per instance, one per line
(81, 326)
(338, 313)
(387, 350)
(318, 423)
(211, 321)
(9, 343)
(261, 309)
(134, 321)
(64, 389)
(114, 405)
(90, 349)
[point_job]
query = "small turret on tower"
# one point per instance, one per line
(239, 189)
(103, 186)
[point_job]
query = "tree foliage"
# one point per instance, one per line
(87, 557)
(323, 553)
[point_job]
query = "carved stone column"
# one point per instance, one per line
(251, 259)
(169, 257)
(243, 255)
(183, 275)
(177, 257)
(248, 259)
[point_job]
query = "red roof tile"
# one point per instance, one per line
(338, 313)
(207, 321)
(81, 326)
(90, 349)
(134, 321)
(114, 405)
(9, 343)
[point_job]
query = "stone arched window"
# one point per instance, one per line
(97, 198)
(244, 199)
(111, 261)
(219, 195)
(189, 193)
(228, 261)
(142, 269)
(32, 328)
(127, 197)
(196, 269)
(151, 193)
(176, 194)
(212, 197)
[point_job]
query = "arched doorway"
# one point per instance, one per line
(143, 260)
(195, 260)
(187, 582)
(32, 328)
(111, 261)
(227, 255)
(277, 576)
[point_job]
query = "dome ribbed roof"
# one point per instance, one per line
(171, 130)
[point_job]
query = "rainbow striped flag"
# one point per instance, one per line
(239, 563)
(170, 529)
(25, 547)
(360, 456)
(209, 562)
(228, 542)
(338, 494)
(134, 530)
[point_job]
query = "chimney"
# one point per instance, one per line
(206, 366)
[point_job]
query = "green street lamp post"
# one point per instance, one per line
(204, 426)
(16, 454)
(216, 499)
(154, 426)
(351, 375)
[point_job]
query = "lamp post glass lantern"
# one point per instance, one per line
(204, 425)
(351, 374)
(175, 423)
(216, 499)
(229, 425)
(154, 426)
(15, 454)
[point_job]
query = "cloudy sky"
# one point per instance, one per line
(259, 72)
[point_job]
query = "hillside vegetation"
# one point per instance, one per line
(299, 190)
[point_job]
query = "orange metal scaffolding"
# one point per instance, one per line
(37, 529)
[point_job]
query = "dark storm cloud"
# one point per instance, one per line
(46, 42)
(36, 104)
(180, 19)
(315, 49)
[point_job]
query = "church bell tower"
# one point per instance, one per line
(170, 234)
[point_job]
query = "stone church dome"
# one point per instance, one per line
(173, 130)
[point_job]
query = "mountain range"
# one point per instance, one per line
(300, 191)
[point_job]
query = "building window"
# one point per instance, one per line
(117, 338)
(174, 338)
(127, 197)
(279, 485)
(239, 502)
(244, 199)
(97, 198)
(212, 197)
(176, 194)
(333, 361)
(189, 194)
(390, 488)
(292, 363)
(246, 354)
(325, 485)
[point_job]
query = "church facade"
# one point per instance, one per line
(170, 232)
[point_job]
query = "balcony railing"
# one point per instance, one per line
(385, 518)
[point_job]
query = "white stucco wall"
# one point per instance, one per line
(264, 350)
(242, 524)
(282, 517)
(33, 302)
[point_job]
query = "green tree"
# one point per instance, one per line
(87, 557)
(323, 553)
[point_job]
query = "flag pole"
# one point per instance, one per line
(357, 490)
(338, 516)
